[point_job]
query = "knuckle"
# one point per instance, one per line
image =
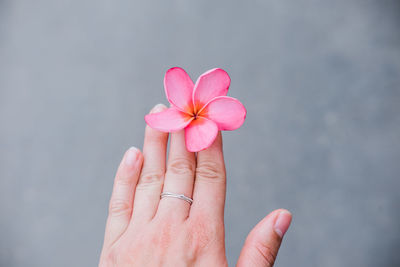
(182, 166)
(119, 207)
(267, 253)
(122, 181)
(150, 178)
(203, 233)
(210, 170)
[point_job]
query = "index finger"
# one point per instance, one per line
(210, 182)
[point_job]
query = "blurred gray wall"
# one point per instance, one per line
(320, 80)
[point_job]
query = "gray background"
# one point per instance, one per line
(320, 80)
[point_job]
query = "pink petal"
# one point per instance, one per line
(210, 84)
(200, 134)
(169, 120)
(227, 112)
(179, 89)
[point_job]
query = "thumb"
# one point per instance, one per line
(263, 242)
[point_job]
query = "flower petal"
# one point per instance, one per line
(169, 120)
(227, 112)
(210, 84)
(179, 89)
(200, 134)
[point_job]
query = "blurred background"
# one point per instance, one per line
(320, 80)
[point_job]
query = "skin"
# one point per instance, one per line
(144, 230)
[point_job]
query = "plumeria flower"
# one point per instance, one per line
(202, 109)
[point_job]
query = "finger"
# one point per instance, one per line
(120, 208)
(179, 177)
(150, 183)
(210, 182)
(263, 242)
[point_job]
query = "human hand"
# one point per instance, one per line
(144, 230)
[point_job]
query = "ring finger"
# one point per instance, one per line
(179, 178)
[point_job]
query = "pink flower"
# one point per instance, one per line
(202, 109)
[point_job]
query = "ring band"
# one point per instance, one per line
(180, 196)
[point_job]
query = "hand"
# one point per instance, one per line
(144, 230)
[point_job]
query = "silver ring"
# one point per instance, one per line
(180, 196)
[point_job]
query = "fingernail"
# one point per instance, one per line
(157, 108)
(282, 223)
(131, 156)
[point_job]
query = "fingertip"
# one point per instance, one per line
(132, 155)
(263, 242)
(218, 141)
(178, 145)
(276, 223)
(152, 135)
(131, 164)
(216, 145)
(282, 222)
(158, 108)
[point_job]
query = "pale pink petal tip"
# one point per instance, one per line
(200, 134)
(211, 84)
(169, 120)
(179, 89)
(227, 112)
